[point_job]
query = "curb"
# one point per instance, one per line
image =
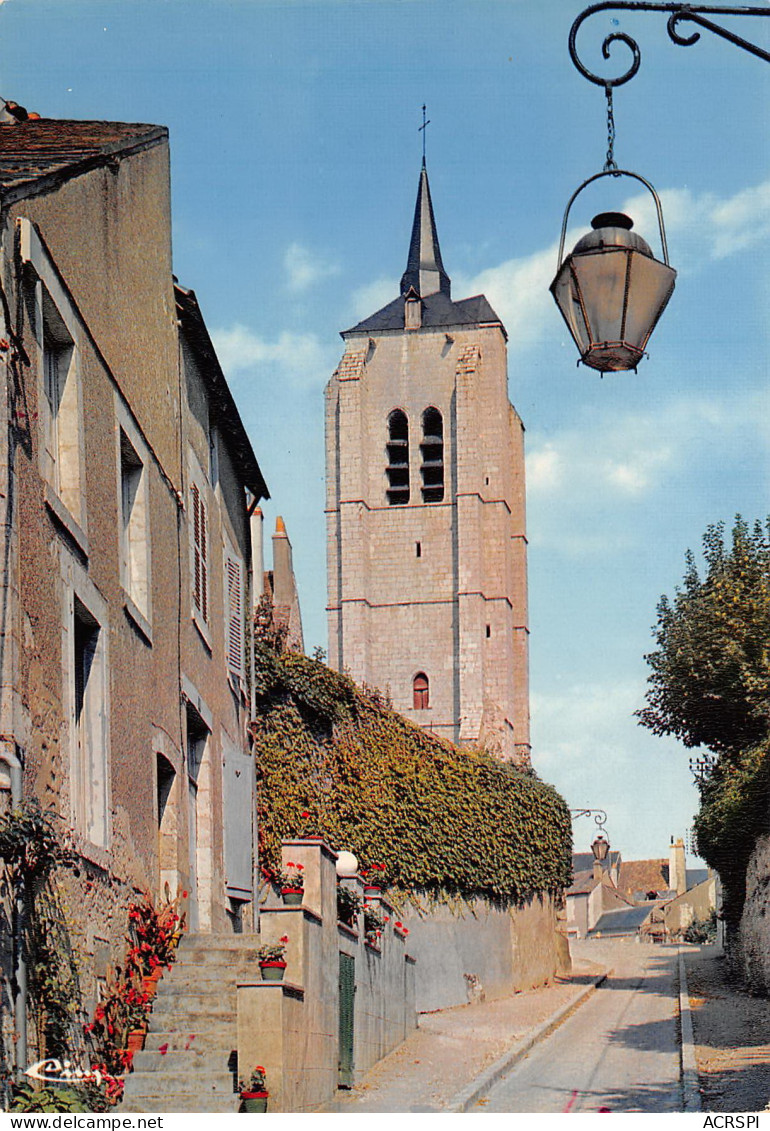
(690, 1089)
(473, 1092)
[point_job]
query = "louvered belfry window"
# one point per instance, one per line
(398, 458)
(234, 642)
(200, 559)
(432, 451)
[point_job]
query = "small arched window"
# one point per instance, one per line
(420, 692)
(432, 454)
(398, 458)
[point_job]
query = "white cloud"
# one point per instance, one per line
(300, 359)
(372, 297)
(304, 268)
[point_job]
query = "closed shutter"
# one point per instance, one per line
(234, 642)
(200, 567)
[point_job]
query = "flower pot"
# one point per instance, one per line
(135, 1040)
(150, 982)
(253, 1101)
(272, 971)
(292, 897)
(372, 889)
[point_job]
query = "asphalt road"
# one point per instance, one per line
(618, 1052)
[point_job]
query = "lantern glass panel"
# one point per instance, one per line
(601, 280)
(650, 287)
(564, 289)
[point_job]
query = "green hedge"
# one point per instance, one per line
(337, 760)
(734, 813)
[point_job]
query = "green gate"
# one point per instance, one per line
(347, 997)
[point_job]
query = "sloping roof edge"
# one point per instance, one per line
(226, 414)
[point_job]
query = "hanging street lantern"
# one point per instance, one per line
(600, 848)
(611, 290)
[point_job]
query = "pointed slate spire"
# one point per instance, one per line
(424, 269)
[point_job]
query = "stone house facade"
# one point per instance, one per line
(426, 509)
(126, 482)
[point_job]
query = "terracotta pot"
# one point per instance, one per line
(372, 889)
(253, 1101)
(136, 1040)
(272, 971)
(292, 897)
(150, 982)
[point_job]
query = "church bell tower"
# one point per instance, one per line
(427, 565)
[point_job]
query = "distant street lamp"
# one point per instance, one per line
(611, 290)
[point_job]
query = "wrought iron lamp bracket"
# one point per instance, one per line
(678, 14)
(613, 173)
(599, 816)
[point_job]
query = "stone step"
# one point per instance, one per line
(218, 1036)
(202, 1083)
(223, 1004)
(183, 1060)
(182, 1102)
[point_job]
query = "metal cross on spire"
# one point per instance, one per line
(423, 130)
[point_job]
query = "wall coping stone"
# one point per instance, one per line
(344, 929)
(307, 912)
(314, 842)
(288, 989)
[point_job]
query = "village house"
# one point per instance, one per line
(126, 484)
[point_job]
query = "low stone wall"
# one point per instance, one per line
(472, 948)
(292, 1028)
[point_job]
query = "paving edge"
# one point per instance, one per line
(690, 1088)
(483, 1083)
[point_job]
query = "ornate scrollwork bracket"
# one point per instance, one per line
(678, 15)
(599, 816)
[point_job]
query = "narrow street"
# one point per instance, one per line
(618, 1052)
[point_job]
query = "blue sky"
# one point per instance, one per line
(295, 158)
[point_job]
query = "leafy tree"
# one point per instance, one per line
(710, 675)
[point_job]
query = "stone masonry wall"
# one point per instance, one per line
(473, 947)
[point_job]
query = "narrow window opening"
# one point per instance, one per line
(432, 455)
(398, 458)
(133, 524)
(90, 776)
(486, 481)
(420, 692)
(418, 549)
(489, 631)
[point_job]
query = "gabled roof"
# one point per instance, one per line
(582, 883)
(223, 408)
(643, 875)
(438, 312)
(625, 921)
(39, 154)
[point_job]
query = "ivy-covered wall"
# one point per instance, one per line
(336, 760)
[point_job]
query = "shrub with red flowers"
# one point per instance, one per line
(123, 1007)
(374, 922)
(291, 878)
(154, 933)
(273, 952)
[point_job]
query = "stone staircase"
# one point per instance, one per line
(189, 1060)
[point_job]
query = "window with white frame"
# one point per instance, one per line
(90, 782)
(234, 613)
(57, 329)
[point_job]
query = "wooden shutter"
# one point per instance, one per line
(234, 642)
(200, 567)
